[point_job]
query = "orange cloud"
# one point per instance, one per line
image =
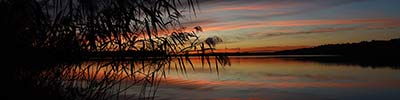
(298, 23)
(260, 49)
(245, 8)
(235, 26)
(199, 22)
(263, 6)
(331, 22)
(325, 30)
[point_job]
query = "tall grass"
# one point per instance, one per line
(98, 25)
(77, 28)
(100, 79)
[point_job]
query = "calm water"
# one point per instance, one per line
(266, 78)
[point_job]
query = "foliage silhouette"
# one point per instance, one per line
(96, 79)
(128, 41)
(76, 27)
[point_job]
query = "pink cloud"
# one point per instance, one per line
(326, 30)
(287, 23)
(260, 7)
(261, 49)
(378, 23)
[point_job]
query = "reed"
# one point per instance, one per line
(81, 30)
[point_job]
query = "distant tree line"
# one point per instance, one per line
(364, 48)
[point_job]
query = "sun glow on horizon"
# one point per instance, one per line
(253, 23)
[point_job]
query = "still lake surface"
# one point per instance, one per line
(271, 78)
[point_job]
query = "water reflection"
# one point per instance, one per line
(202, 78)
(366, 61)
(100, 79)
(93, 80)
(284, 79)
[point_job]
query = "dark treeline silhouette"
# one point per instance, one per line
(374, 53)
(366, 48)
(373, 48)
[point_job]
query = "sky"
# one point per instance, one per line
(282, 24)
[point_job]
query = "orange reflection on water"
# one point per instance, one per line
(264, 72)
(243, 84)
(251, 98)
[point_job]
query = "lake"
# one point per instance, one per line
(270, 78)
(243, 78)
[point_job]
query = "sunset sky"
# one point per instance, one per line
(249, 24)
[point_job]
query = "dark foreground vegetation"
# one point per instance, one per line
(77, 49)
